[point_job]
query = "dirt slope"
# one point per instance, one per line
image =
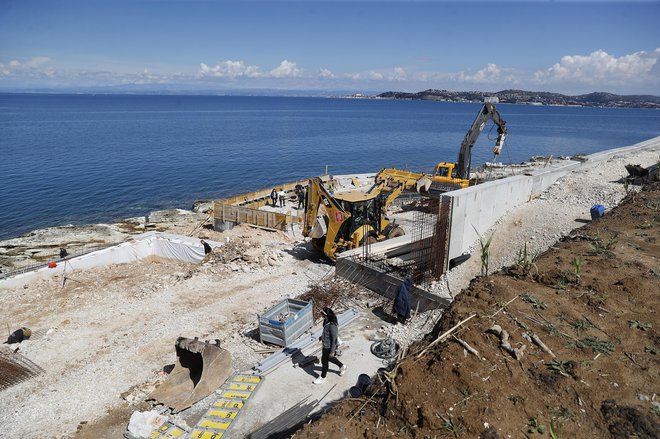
(592, 299)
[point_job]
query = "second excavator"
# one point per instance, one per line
(449, 175)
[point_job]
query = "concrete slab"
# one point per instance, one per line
(286, 385)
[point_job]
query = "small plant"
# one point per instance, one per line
(580, 325)
(577, 269)
(596, 345)
(599, 248)
(555, 430)
(651, 350)
(536, 302)
(535, 427)
(552, 330)
(455, 428)
(526, 261)
(562, 367)
(562, 413)
(560, 284)
(655, 410)
(636, 324)
(484, 253)
(586, 364)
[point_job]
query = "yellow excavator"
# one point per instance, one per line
(448, 176)
(348, 220)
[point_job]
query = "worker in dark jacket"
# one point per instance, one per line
(401, 305)
(273, 197)
(207, 247)
(329, 340)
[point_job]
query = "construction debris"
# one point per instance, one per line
(15, 368)
(201, 368)
(19, 335)
(516, 353)
(143, 423)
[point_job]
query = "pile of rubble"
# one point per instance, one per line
(242, 255)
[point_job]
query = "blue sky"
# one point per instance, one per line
(366, 46)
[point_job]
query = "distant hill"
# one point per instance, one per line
(597, 99)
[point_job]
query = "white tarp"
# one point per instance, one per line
(164, 245)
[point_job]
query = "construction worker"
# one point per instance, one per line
(273, 196)
(329, 339)
(282, 197)
(207, 247)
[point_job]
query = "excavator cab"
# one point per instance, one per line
(444, 169)
(343, 221)
(364, 211)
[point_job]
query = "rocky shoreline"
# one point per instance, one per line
(42, 245)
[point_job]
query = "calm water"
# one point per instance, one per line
(87, 159)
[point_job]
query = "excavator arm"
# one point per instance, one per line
(488, 112)
(317, 196)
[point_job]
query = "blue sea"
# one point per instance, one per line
(100, 158)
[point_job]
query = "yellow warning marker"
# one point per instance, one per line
(229, 404)
(207, 423)
(175, 433)
(201, 434)
(238, 386)
(236, 395)
(248, 379)
(166, 431)
(225, 414)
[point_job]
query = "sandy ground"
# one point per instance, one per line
(104, 337)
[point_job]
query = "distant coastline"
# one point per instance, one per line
(522, 97)
(596, 99)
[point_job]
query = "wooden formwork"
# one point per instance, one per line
(227, 214)
(245, 209)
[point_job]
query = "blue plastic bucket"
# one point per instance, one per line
(597, 211)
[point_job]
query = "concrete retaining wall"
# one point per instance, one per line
(479, 207)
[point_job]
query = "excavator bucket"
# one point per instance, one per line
(423, 184)
(200, 369)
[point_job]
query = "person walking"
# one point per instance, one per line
(273, 196)
(329, 339)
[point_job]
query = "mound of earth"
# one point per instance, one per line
(591, 301)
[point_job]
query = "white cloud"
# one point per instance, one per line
(286, 69)
(33, 67)
(374, 76)
(397, 74)
(601, 68)
(325, 73)
(230, 69)
(491, 74)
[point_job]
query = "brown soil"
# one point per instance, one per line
(592, 299)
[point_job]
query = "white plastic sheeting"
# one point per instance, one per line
(164, 245)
